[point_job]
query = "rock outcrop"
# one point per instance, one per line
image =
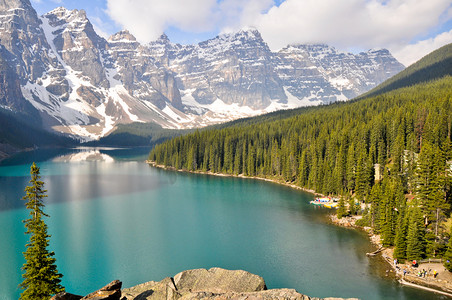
(111, 291)
(215, 283)
(212, 284)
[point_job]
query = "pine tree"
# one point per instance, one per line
(341, 211)
(352, 206)
(448, 255)
(41, 278)
(400, 237)
(415, 239)
(375, 199)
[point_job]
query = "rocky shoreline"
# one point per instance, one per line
(215, 283)
(405, 273)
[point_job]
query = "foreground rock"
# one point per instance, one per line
(215, 283)
(111, 291)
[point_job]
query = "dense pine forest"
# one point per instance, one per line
(389, 157)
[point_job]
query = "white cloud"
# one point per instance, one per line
(349, 23)
(411, 53)
(346, 24)
(236, 14)
(148, 19)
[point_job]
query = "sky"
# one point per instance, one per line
(410, 29)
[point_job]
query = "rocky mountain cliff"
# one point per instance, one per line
(57, 68)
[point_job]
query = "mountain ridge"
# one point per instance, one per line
(84, 85)
(436, 64)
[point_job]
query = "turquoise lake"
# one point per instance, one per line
(115, 217)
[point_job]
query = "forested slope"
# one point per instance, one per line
(405, 133)
(436, 64)
(16, 135)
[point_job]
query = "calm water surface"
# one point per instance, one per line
(114, 217)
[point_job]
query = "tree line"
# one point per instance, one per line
(404, 135)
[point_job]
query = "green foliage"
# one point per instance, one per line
(448, 255)
(433, 66)
(341, 211)
(41, 278)
(15, 132)
(401, 233)
(365, 220)
(415, 246)
(334, 149)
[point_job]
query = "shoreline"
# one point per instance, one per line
(294, 186)
(410, 278)
(434, 286)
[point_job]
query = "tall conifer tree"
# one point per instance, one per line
(415, 247)
(41, 278)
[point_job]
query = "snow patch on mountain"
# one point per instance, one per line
(84, 85)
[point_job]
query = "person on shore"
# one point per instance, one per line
(404, 272)
(395, 262)
(435, 274)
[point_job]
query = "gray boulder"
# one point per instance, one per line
(218, 280)
(111, 291)
(66, 296)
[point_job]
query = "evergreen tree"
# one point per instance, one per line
(375, 200)
(415, 238)
(448, 255)
(353, 208)
(400, 237)
(41, 278)
(341, 211)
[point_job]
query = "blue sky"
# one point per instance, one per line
(410, 29)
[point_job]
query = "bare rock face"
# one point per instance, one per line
(77, 43)
(10, 93)
(236, 68)
(322, 72)
(140, 74)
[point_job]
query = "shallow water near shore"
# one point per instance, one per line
(115, 217)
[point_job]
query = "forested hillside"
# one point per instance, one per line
(16, 135)
(335, 149)
(435, 65)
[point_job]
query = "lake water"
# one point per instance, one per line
(114, 217)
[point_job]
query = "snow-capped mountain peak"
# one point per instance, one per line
(84, 85)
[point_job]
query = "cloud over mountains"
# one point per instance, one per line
(398, 25)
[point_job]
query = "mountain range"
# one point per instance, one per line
(57, 72)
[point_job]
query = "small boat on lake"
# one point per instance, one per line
(325, 201)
